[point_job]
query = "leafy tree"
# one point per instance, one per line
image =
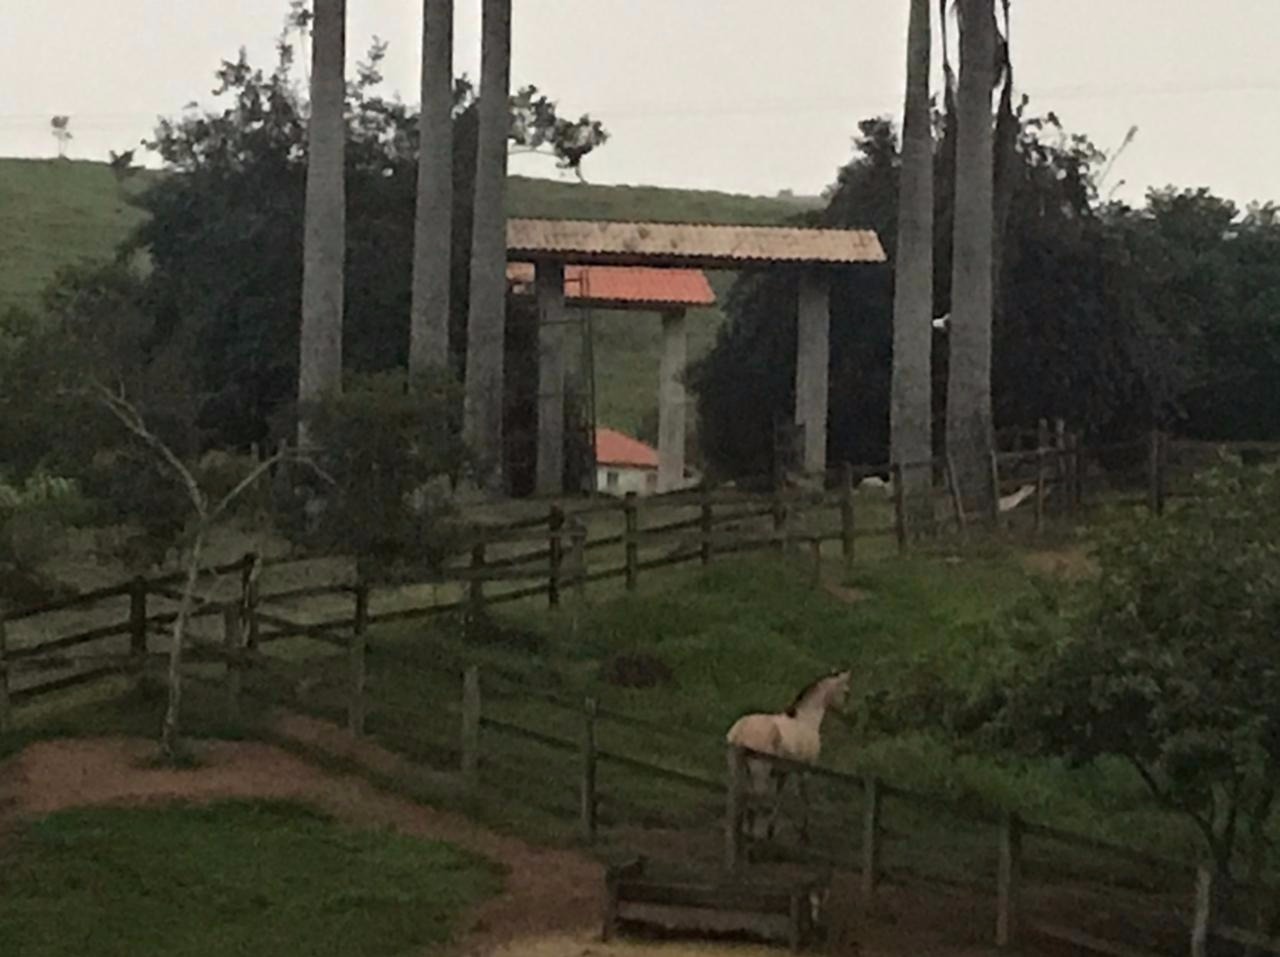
(742, 382)
(1169, 661)
(1111, 317)
(376, 492)
(223, 235)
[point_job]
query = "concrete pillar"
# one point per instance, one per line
(552, 316)
(813, 352)
(671, 401)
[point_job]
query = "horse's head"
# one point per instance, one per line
(838, 687)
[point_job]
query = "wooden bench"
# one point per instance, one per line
(771, 909)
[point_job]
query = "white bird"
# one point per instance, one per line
(942, 322)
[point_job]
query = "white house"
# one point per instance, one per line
(624, 464)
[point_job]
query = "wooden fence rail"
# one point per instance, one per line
(753, 521)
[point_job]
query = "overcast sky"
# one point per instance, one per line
(723, 94)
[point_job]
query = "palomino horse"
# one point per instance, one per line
(794, 734)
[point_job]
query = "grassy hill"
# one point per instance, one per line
(54, 213)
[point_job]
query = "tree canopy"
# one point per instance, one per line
(1168, 660)
(1112, 317)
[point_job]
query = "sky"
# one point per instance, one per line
(733, 95)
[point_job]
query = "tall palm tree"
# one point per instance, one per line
(324, 239)
(1008, 123)
(433, 224)
(910, 412)
(486, 319)
(969, 427)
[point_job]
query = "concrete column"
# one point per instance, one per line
(671, 401)
(813, 352)
(552, 316)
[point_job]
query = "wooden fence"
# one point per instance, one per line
(500, 563)
(558, 551)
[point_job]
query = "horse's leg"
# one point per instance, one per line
(804, 807)
(779, 786)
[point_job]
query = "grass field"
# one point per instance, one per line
(55, 213)
(235, 877)
(745, 634)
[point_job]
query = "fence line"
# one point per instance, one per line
(564, 562)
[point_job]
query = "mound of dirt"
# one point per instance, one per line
(636, 671)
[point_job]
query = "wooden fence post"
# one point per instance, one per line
(733, 808)
(871, 834)
(1008, 875)
(1202, 920)
(957, 501)
(471, 725)
(232, 640)
(899, 507)
(358, 648)
(579, 535)
(475, 588)
(779, 511)
(631, 526)
(1162, 465)
(1044, 449)
(1061, 442)
(1040, 488)
(555, 523)
(848, 536)
(249, 599)
(588, 794)
(6, 709)
(138, 618)
(995, 489)
(1155, 504)
(705, 526)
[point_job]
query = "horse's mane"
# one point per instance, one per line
(806, 691)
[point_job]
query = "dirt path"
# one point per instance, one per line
(547, 891)
(551, 902)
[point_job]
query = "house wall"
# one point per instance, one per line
(619, 480)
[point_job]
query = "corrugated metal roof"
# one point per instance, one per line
(617, 448)
(623, 286)
(688, 244)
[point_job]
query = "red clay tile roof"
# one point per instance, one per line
(616, 448)
(687, 244)
(623, 286)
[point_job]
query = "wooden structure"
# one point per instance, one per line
(554, 246)
(774, 910)
(666, 292)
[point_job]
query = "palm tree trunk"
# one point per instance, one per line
(433, 224)
(324, 240)
(1006, 159)
(486, 321)
(910, 413)
(969, 428)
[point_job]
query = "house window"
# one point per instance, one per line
(611, 479)
(651, 481)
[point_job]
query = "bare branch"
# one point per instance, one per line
(128, 416)
(285, 454)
